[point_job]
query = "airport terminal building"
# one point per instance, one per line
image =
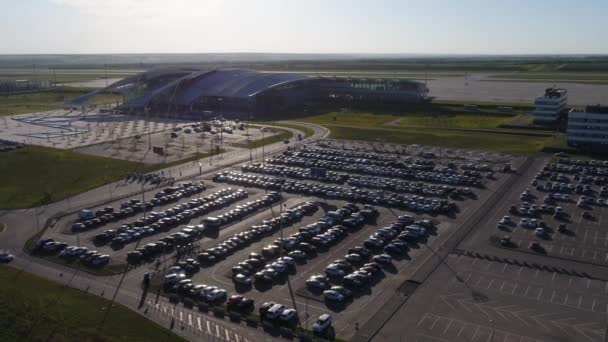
(187, 90)
(588, 128)
(549, 106)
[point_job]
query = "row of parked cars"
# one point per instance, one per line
(429, 174)
(152, 178)
(162, 221)
(353, 194)
(256, 232)
(280, 257)
(89, 219)
(70, 253)
(190, 233)
(296, 172)
(362, 263)
(363, 155)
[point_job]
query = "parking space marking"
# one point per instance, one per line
(595, 238)
(467, 331)
(539, 294)
(447, 327)
(198, 322)
(208, 327)
(217, 331)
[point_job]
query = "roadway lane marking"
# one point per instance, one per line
(593, 305)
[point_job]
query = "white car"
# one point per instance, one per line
(539, 232)
(332, 295)
(383, 259)
(287, 260)
(5, 257)
(242, 279)
(275, 311)
(288, 315)
(322, 323)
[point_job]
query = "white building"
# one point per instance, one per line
(547, 108)
(588, 128)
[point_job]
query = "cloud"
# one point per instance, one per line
(145, 9)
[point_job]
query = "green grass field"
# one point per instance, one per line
(283, 134)
(307, 130)
(470, 131)
(35, 309)
(34, 175)
(64, 75)
(505, 143)
(456, 121)
(351, 119)
(47, 100)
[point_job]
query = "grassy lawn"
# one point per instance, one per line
(456, 131)
(65, 75)
(35, 309)
(307, 130)
(351, 119)
(456, 121)
(283, 134)
(47, 100)
(34, 175)
(506, 143)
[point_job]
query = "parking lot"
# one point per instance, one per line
(563, 211)
(471, 299)
(332, 230)
(99, 132)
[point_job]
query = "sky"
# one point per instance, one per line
(304, 26)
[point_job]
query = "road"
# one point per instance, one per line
(22, 224)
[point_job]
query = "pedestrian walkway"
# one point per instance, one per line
(197, 323)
